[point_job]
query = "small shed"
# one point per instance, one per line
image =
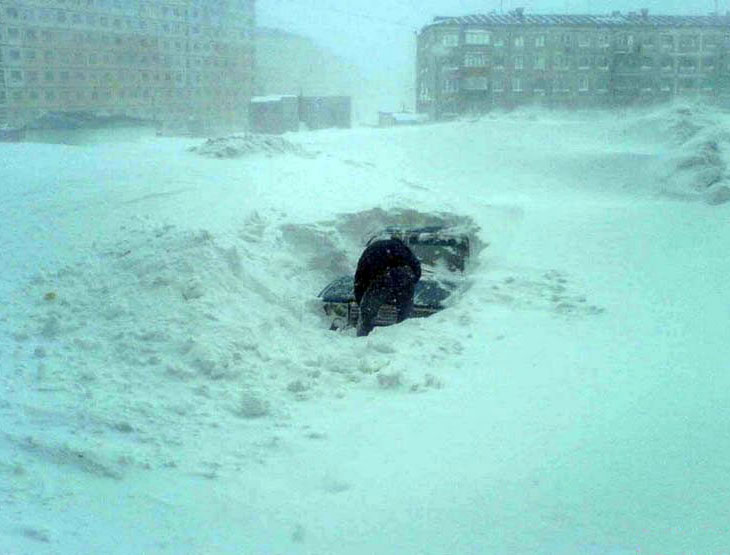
(274, 114)
(322, 112)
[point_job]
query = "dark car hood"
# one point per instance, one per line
(429, 293)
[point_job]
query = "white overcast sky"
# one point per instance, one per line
(380, 33)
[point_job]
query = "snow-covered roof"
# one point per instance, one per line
(608, 20)
(271, 98)
(407, 117)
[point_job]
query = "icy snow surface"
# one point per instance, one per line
(169, 384)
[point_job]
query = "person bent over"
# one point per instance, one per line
(386, 272)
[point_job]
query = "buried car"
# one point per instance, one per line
(443, 253)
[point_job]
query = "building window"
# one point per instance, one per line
(604, 40)
(498, 86)
(584, 40)
(499, 41)
(517, 84)
(566, 40)
(583, 83)
(499, 62)
(708, 64)
(625, 42)
(12, 13)
(14, 55)
(31, 76)
(477, 37)
(710, 42)
(16, 76)
(646, 63)
(450, 86)
(475, 60)
(667, 42)
(450, 40)
(562, 63)
(48, 76)
(540, 62)
(602, 62)
(50, 96)
(519, 42)
(540, 41)
(519, 63)
(600, 86)
(475, 84)
(687, 65)
(584, 62)
(667, 64)
(688, 43)
(17, 96)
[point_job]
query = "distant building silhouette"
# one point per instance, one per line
(477, 62)
(173, 62)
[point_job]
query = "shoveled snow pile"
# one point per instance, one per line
(247, 144)
(214, 328)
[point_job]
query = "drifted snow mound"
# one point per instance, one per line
(237, 146)
(162, 328)
(698, 138)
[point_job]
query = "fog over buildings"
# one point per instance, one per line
(184, 61)
(379, 37)
(163, 61)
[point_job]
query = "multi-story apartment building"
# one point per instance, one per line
(473, 63)
(165, 60)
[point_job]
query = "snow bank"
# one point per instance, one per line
(236, 146)
(698, 141)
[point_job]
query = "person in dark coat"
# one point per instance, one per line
(387, 272)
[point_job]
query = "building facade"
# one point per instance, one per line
(474, 63)
(170, 61)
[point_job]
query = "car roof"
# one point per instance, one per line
(425, 234)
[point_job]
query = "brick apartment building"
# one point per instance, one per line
(474, 63)
(165, 60)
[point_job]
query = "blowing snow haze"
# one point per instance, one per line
(378, 36)
(179, 367)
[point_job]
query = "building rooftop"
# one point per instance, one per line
(631, 19)
(271, 98)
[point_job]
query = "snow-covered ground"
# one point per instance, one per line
(170, 386)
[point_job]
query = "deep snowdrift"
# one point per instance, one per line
(169, 384)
